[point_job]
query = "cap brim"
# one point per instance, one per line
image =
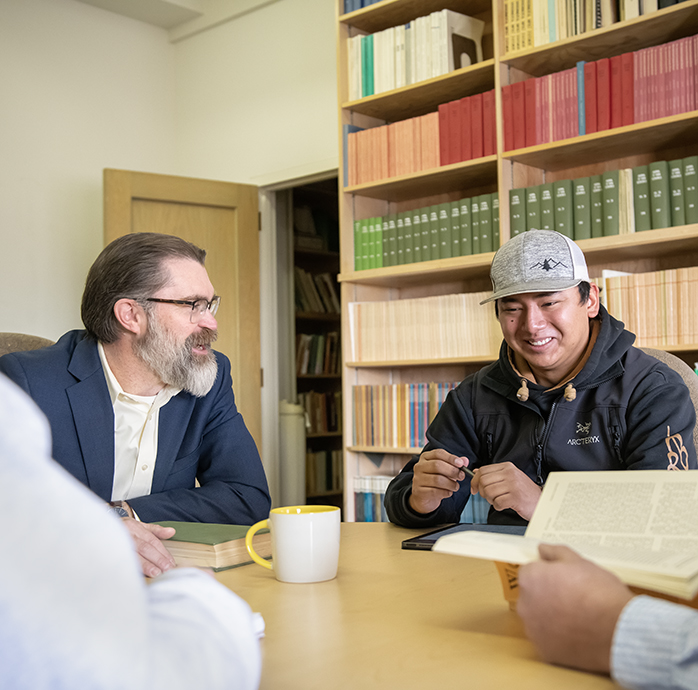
(526, 288)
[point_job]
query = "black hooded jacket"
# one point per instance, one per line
(631, 411)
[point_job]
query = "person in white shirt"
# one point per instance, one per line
(582, 616)
(75, 610)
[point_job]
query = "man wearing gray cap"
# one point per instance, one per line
(568, 392)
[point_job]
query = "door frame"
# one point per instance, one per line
(276, 313)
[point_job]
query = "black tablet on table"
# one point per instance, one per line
(425, 542)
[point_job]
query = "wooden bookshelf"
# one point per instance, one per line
(321, 199)
(624, 147)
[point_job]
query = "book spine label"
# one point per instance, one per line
(641, 198)
(582, 209)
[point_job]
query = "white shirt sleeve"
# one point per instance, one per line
(655, 646)
(75, 611)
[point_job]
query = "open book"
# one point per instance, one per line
(640, 525)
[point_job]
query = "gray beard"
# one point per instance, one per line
(174, 363)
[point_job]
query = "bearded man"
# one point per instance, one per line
(140, 406)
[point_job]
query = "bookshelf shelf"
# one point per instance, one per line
(479, 359)
(328, 434)
(448, 178)
(645, 137)
(384, 450)
(425, 96)
(316, 316)
(664, 139)
(665, 25)
(391, 12)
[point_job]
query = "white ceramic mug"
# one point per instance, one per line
(304, 543)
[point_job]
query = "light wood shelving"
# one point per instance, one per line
(623, 147)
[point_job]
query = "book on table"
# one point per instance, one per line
(640, 525)
(211, 545)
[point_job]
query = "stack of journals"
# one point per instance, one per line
(529, 24)
(323, 411)
(427, 328)
(323, 472)
(317, 353)
(595, 96)
(662, 194)
(396, 415)
(426, 47)
(369, 493)
(441, 231)
(659, 307)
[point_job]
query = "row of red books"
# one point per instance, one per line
(467, 128)
(654, 82)
(460, 130)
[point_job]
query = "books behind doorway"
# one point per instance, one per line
(210, 545)
(640, 525)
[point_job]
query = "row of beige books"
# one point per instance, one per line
(659, 307)
(440, 327)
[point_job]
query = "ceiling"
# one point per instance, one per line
(164, 13)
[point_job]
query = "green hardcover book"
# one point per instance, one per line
(495, 221)
(596, 206)
(678, 213)
(610, 203)
(547, 207)
(372, 243)
(564, 216)
(385, 232)
(690, 188)
(400, 233)
(426, 235)
(582, 208)
(533, 207)
(641, 198)
(365, 232)
(455, 228)
(445, 233)
(417, 235)
(466, 232)
(475, 223)
(434, 230)
(392, 238)
(209, 545)
(378, 231)
(485, 224)
(407, 222)
(517, 211)
(660, 209)
(358, 258)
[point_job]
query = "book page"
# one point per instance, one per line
(646, 519)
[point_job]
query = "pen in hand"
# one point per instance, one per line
(470, 473)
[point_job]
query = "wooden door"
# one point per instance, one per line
(222, 218)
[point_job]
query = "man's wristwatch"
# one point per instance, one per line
(117, 507)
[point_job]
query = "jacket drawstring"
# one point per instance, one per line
(522, 393)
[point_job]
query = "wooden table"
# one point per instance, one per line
(395, 619)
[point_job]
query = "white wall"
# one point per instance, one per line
(81, 89)
(256, 97)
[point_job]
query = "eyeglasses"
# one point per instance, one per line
(198, 306)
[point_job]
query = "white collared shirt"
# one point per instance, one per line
(136, 422)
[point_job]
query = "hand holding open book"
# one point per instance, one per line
(642, 526)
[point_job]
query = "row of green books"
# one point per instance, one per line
(662, 194)
(456, 228)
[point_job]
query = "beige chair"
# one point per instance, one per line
(685, 372)
(19, 342)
